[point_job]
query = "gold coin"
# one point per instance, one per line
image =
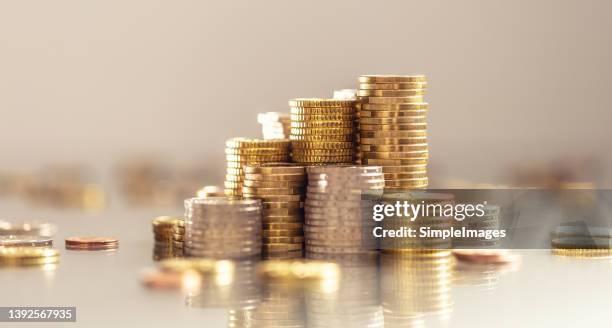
(24, 256)
(393, 127)
(404, 168)
(393, 100)
(391, 93)
(276, 168)
(282, 226)
(322, 110)
(392, 114)
(393, 141)
(257, 158)
(272, 191)
(394, 148)
(395, 120)
(233, 178)
(283, 240)
(393, 134)
(320, 102)
(394, 162)
(256, 143)
(297, 204)
(272, 184)
(326, 138)
(323, 124)
(323, 152)
(283, 219)
(298, 144)
(395, 155)
(232, 192)
(232, 185)
(393, 86)
(321, 131)
(256, 151)
(164, 221)
(321, 117)
(275, 177)
(420, 106)
(322, 159)
(281, 247)
(234, 171)
(278, 198)
(407, 183)
(391, 78)
(402, 176)
(282, 233)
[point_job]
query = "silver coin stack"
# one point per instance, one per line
(338, 208)
(221, 227)
(274, 125)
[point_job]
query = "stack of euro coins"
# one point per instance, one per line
(488, 221)
(274, 125)
(415, 284)
(222, 227)
(178, 237)
(393, 128)
(281, 188)
(241, 151)
(322, 131)
(27, 256)
(338, 209)
(162, 234)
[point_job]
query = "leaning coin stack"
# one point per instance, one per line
(27, 256)
(241, 151)
(178, 236)
(221, 227)
(162, 234)
(322, 131)
(489, 221)
(281, 188)
(393, 128)
(338, 208)
(274, 125)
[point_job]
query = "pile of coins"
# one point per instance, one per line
(393, 128)
(489, 221)
(281, 187)
(241, 151)
(163, 230)
(274, 125)
(178, 237)
(92, 243)
(338, 208)
(322, 131)
(221, 227)
(27, 256)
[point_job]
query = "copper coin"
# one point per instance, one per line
(485, 256)
(91, 243)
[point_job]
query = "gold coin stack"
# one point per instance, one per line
(241, 151)
(27, 256)
(178, 237)
(281, 187)
(322, 131)
(393, 128)
(162, 234)
(274, 125)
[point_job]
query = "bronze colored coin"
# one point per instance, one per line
(392, 78)
(92, 247)
(282, 233)
(256, 143)
(273, 177)
(323, 124)
(297, 144)
(275, 168)
(412, 108)
(391, 93)
(393, 127)
(393, 141)
(396, 155)
(91, 241)
(283, 240)
(394, 148)
(411, 161)
(326, 138)
(322, 117)
(393, 134)
(322, 131)
(393, 86)
(393, 121)
(320, 102)
(281, 247)
(281, 226)
(273, 184)
(323, 152)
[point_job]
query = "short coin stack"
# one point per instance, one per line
(240, 152)
(338, 208)
(27, 256)
(162, 234)
(393, 128)
(281, 187)
(582, 241)
(92, 243)
(178, 237)
(274, 125)
(322, 131)
(221, 227)
(25, 241)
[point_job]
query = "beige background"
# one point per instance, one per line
(92, 81)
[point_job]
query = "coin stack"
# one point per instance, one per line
(240, 152)
(393, 128)
(281, 305)
(92, 243)
(25, 241)
(582, 241)
(281, 187)
(322, 131)
(221, 227)
(274, 125)
(162, 234)
(338, 208)
(178, 237)
(489, 221)
(27, 256)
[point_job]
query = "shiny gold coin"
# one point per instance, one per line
(393, 86)
(240, 165)
(164, 221)
(234, 171)
(322, 110)
(394, 100)
(393, 107)
(282, 233)
(403, 176)
(282, 204)
(323, 152)
(322, 159)
(396, 155)
(320, 102)
(392, 127)
(322, 117)
(392, 114)
(392, 78)
(276, 168)
(275, 177)
(322, 131)
(391, 93)
(232, 184)
(394, 148)
(326, 138)
(393, 134)
(393, 141)
(26, 256)
(394, 121)
(411, 161)
(323, 124)
(407, 183)
(282, 226)
(282, 211)
(297, 144)
(256, 143)
(272, 191)
(257, 158)
(276, 198)
(256, 151)
(233, 178)
(283, 240)
(404, 168)
(273, 184)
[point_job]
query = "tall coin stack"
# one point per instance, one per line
(241, 151)
(220, 227)
(281, 187)
(274, 125)
(322, 131)
(393, 128)
(338, 208)
(178, 237)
